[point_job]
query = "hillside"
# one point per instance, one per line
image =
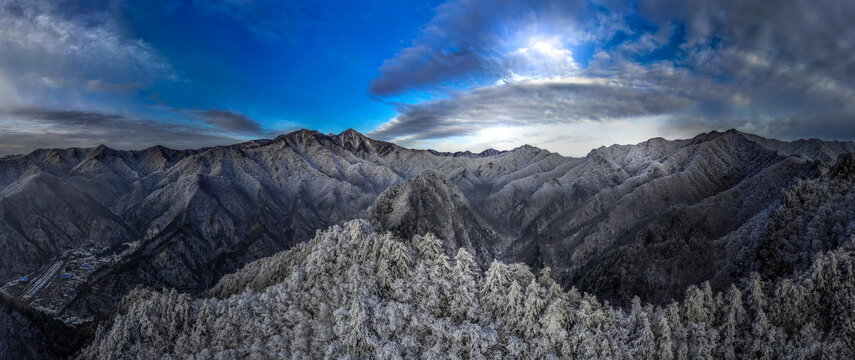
(648, 219)
(354, 293)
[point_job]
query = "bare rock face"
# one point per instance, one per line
(646, 219)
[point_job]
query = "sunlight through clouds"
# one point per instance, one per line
(694, 67)
(568, 139)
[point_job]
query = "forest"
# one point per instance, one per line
(352, 292)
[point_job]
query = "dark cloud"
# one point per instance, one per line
(25, 129)
(784, 49)
(230, 121)
(65, 117)
(420, 65)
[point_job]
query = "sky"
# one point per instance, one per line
(564, 75)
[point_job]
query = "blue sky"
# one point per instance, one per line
(565, 75)
(312, 74)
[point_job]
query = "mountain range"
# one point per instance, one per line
(648, 219)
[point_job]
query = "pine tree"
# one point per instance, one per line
(635, 314)
(513, 310)
(701, 341)
(763, 338)
(664, 347)
(199, 336)
(733, 325)
(585, 336)
(553, 326)
(441, 285)
(400, 258)
(493, 289)
(678, 331)
(644, 343)
(789, 306)
(756, 297)
(695, 308)
(532, 308)
(353, 327)
(465, 292)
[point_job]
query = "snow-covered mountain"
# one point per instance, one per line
(428, 203)
(354, 293)
(648, 219)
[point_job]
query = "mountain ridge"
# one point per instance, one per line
(184, 218)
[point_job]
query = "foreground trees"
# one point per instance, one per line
(353, 293)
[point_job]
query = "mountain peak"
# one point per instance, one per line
(298, 135)
(728, 135)
(354, 141)
(428, 203)
(527, 148)
(351, 132)
(100, 150)
(490, 152)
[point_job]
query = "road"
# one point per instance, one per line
(46, 277)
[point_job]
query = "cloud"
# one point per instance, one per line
(569, 139)
(25, 129)
(8, 93)
(419, 65)
(541, 58)
(781, 69)
(474, 38)
(57, 53)
(107, 87)
(523, 103)
(43, 39)
(230, 121)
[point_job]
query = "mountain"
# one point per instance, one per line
(352, 292)
(649, 219)
(160, 217)
(21, 338)
(428, 203)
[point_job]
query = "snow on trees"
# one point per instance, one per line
(353, 293)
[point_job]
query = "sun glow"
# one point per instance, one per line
(551, 47)
(540, 57)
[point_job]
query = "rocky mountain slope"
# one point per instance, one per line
(428, 203)
(21, 338)
(647, 219)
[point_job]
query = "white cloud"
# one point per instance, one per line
(568, 139)
(540, 58)
(530, 103)
(48, 46)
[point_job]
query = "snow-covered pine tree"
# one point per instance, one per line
(733, 325)
(664, 345)
(465, 277)
(338, 308)
(644, 342)
(533, 304)
(494, 287)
